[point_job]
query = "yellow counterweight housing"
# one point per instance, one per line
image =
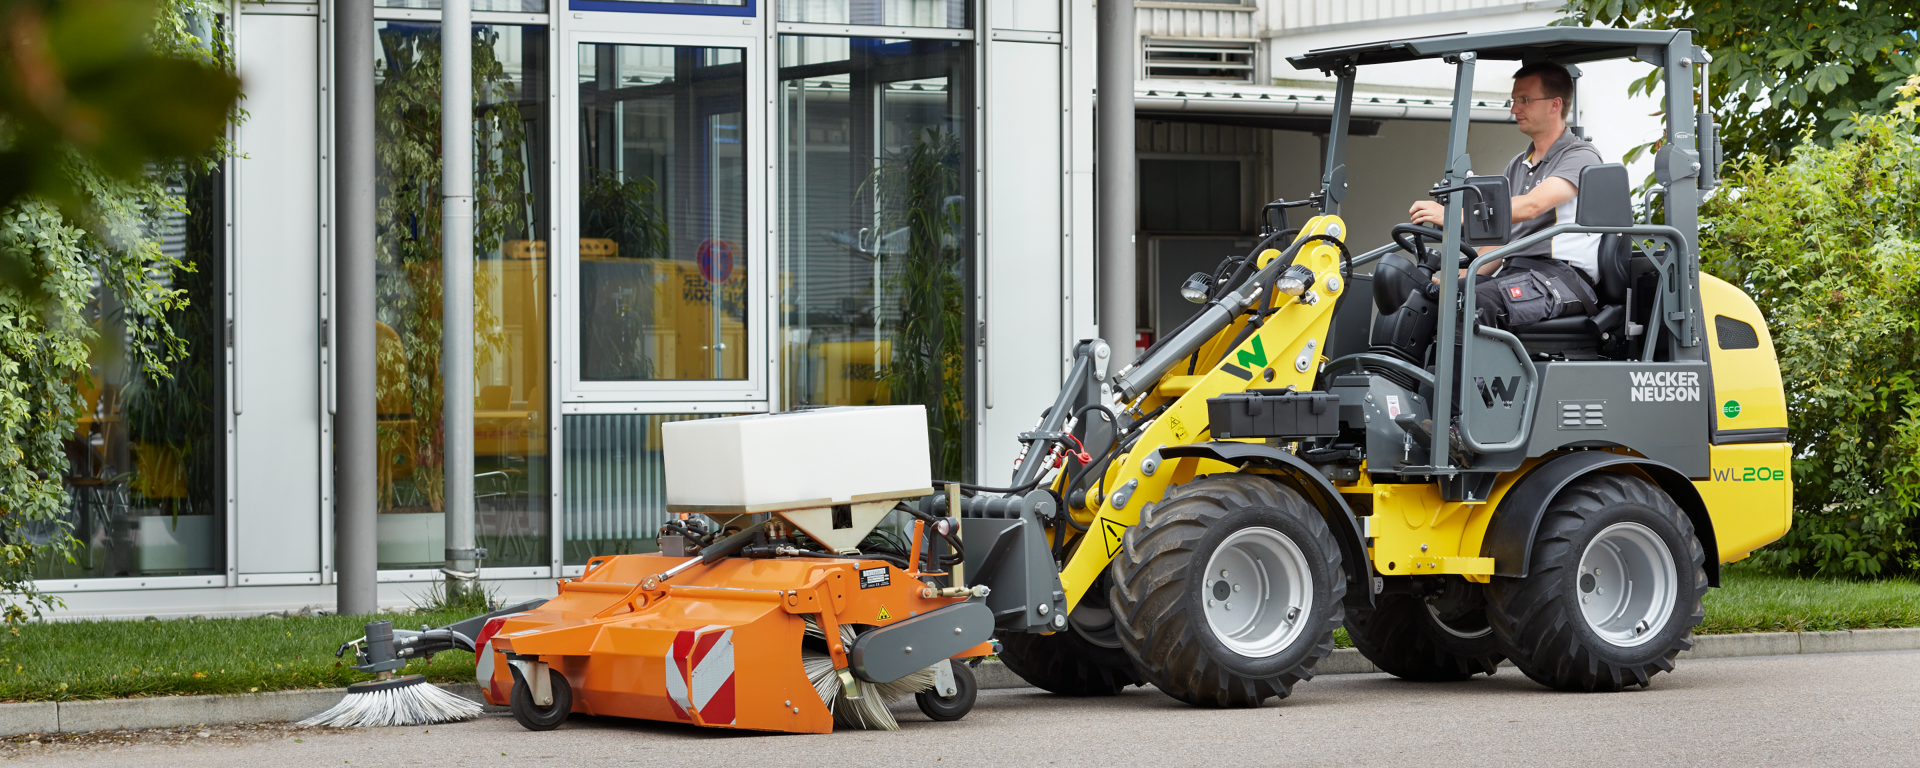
(1750, 492)
(1286, 351)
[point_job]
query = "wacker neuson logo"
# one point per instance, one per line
(1664, 387)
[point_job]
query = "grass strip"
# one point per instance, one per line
(74, 660)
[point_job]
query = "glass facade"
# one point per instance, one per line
(615, 491)
(949, 14)
(146, 482)
(663, 224)
(511, 290)
(876, 269)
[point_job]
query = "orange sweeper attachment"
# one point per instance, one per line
(794, 609)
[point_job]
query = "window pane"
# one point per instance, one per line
(1190, 195)
(876, 270)
(663, 193)
(949, 14)
(500, 6)
(146, 483)
(511, 273)
(615, 490)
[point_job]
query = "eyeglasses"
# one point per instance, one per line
(1525, 100)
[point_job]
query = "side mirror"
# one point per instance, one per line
(1196, 288)
(1489, 211)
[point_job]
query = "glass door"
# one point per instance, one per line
(663, 200)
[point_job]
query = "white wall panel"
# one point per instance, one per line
(277, 464)
(1023, 257)
(1027, 15)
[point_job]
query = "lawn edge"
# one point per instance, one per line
(39, 717)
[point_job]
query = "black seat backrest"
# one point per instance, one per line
(1616, 253)
(1606, 200)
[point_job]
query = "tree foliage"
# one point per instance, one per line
(85, 168)
(1826, 242)
(1783, 70)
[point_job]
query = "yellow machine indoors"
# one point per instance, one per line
(1558, 491)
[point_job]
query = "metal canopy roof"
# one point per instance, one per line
(1566, 45)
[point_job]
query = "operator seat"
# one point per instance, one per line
(1605, 201)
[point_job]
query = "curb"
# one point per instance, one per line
(38, 717)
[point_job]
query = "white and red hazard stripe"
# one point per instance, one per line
(700, 674)
(483, 657)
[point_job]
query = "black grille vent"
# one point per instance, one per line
(1734, 334)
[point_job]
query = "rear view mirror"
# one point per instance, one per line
(1489, 211)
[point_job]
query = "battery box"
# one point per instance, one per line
(1282, 413)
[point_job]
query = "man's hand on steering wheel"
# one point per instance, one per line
(1427, 212)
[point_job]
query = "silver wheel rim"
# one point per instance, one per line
(1258, 592)
(1627, 584)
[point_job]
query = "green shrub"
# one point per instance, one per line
(1828, 243)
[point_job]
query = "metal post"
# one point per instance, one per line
(1114, 201)
(1333, 182)
(1458, 166)
(356, 450)
(456, 256)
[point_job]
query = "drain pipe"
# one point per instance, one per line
(456, 286)
(1115, 173)
(356, 449)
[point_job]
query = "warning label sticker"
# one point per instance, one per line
(884, 615)
(1393, 406)
(1111, 531)
(874, 577)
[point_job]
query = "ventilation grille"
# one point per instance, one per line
(1734, 334)
(1229, 60)
(1583, 414)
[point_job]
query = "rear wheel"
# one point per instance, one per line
(1228, 591)
(1613, 591)
(1428, 636)
(1067, 664)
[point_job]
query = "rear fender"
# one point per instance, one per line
(1509, 537)
(1297, 474)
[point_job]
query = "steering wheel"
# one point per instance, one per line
(1408, 237)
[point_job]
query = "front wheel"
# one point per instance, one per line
(1613, 591)
(1228, 591)
(950, 708)
(534, 717)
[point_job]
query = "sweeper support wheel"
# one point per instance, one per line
(534, 717)
(950, 708)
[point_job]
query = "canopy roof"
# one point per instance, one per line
(1566, 45)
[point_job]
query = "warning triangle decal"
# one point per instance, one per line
(1110, 532)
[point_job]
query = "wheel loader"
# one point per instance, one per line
(1275, 469)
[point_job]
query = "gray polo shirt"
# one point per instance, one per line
(1564, 159)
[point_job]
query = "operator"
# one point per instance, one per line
(1552, 278)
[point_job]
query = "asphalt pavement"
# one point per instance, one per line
(1824, 709)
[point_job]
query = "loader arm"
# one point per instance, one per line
(1285, 350)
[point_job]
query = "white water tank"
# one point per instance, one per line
(803, 459)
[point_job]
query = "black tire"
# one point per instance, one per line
(1160, 593)
(1067, 664)
(1404, 635)
(1539, 619)
(954, 707)
(534, 717)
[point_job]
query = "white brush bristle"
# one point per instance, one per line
(419, 704)
(870, 711)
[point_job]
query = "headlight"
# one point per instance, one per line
(1296, 280)
(1196, 288)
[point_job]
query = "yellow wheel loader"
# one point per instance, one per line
(1560, 494)
(1318, 446)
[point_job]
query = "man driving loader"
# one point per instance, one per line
(1545, 179)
